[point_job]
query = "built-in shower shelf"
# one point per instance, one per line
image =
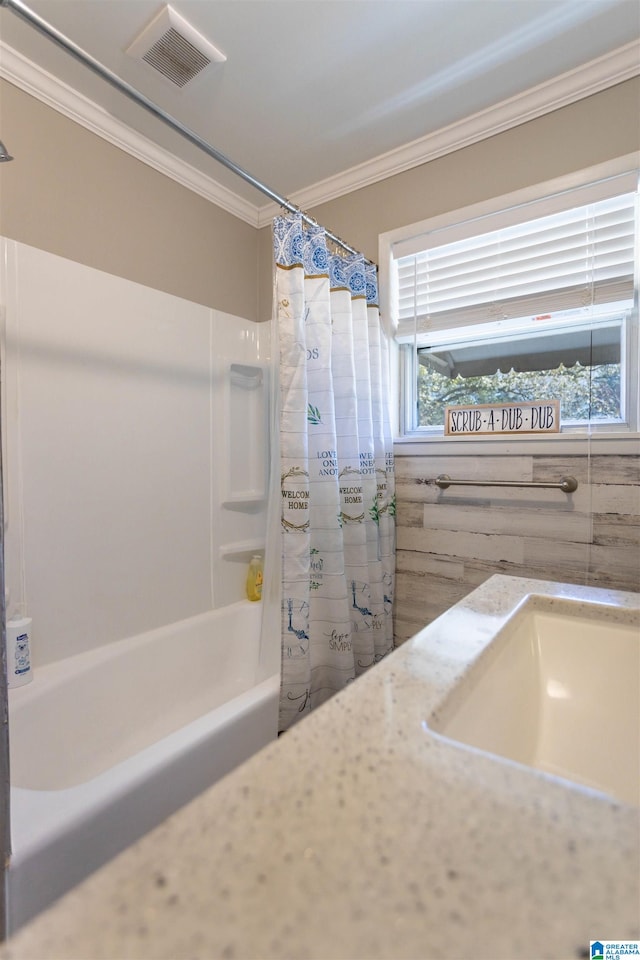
(245, 430)
(242, 550)
(245, 375)
(237, 500)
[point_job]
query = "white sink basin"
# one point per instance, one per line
(558, 689)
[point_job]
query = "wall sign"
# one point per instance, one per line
(539, 416)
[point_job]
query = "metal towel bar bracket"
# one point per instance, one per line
(566, 484)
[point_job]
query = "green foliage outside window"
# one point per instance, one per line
(585, 392)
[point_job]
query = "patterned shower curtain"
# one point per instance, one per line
(337, 472)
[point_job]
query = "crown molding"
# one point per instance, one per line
(606, 71)
(31, 78)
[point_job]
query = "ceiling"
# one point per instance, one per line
(312, 89)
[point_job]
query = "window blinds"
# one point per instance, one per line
(570, 258)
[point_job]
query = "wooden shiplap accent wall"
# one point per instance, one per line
(450, 541)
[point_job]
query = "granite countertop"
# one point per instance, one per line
(361, 835)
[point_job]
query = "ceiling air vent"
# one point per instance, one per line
(174, 48)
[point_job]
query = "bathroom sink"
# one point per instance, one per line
(557, 689)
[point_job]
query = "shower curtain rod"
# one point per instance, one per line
(42, 26)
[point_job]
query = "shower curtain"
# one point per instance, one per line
(336, 468)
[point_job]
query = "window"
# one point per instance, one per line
(534, 301)
(578, 363)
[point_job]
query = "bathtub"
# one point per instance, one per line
(106, 744)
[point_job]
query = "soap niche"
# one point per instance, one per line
(248, 429)
(242, 551)
(240, 424)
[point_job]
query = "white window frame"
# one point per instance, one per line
(610, 437)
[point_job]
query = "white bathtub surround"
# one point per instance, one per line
(456, 853)
(135, 493)
(106, 744)
(135, 458)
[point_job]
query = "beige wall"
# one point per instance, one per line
(74, 194)
(585, 133)
(71, 193)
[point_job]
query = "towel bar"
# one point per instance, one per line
(566, 484)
